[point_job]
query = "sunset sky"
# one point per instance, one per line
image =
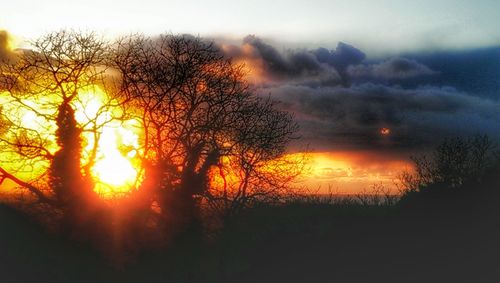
(423, 70)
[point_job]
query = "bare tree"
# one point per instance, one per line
(198, 114)
(255, 168)
(43, 85)
(452, 164)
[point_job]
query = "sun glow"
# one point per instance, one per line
(116, 167)
(110, 143)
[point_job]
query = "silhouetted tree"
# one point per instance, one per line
(198, 114)
(46, 82)
(255, 168)
(200, 121)
(452, 164)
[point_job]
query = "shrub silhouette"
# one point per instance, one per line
(456, 165)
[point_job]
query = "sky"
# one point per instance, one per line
(383, 25)
(426, 70)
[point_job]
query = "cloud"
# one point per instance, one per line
(319, 67)
(342, 100)
(334, 118)
(6, 56)
(274, 62)
(343, 56)
(474, 71)
(5, 51)
(394, 68)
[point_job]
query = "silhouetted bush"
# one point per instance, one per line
(457, 167)
(452, 164)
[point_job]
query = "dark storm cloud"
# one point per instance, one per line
(304, 61)
(392, 69)
(341, 58)
(298, 64)
(274, 62)
(321, 65)
(422, 98)
(337, 117)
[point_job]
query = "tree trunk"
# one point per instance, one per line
(73, 192)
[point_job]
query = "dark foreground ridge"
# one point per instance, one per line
(439, 237)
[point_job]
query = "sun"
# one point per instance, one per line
(115, 161)
(115, 170)
(114, 166)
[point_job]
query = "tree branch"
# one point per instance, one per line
(41, 196)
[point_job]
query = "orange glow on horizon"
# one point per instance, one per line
(348, 172)
(339, 172)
